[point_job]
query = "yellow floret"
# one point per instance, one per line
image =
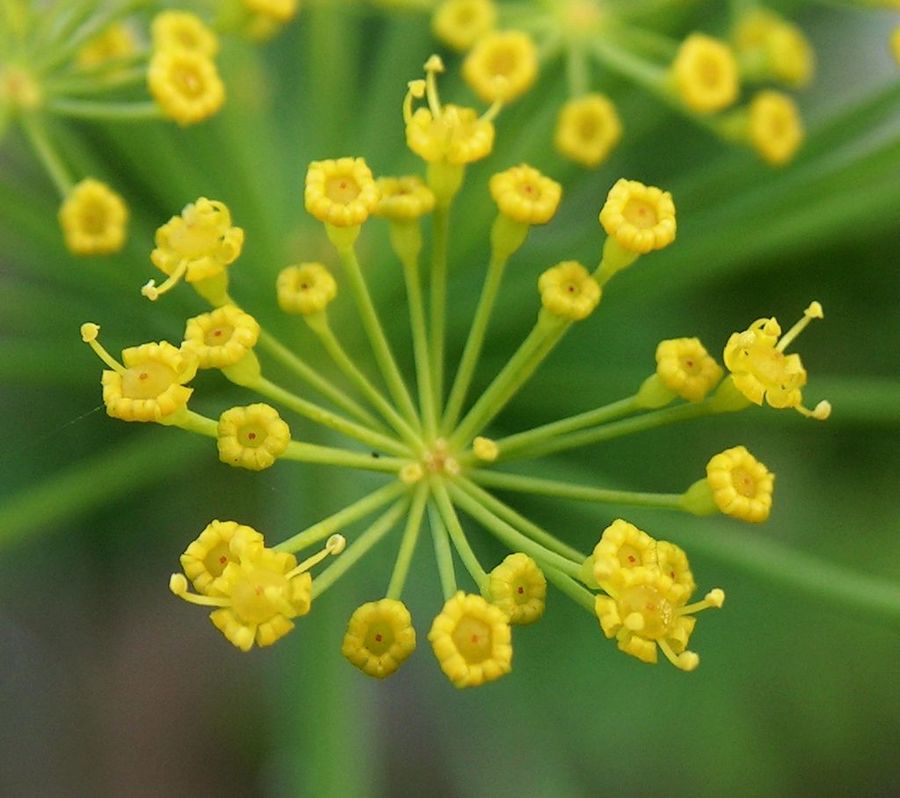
(220, 338)
(93, 219)
(380, 637)
(569, 291)
(457, 135)
(275, 10)
(403, 199)
(340, 192)
(775, 129)
(525, 195)
(705, 74)
(621, 546)
(184, 30)
(518, 587)
(501, 66)
(185, 85)
(587, 130)
(741, 485)
(686, 368)
(461, 23)
(220, 543)
(770, 46)
(471, 640)
(305, 288)
(252, 437)
(640, 218)
(116, 41)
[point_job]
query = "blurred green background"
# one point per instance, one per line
(108, 686)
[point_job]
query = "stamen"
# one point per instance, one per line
(433, 66)
(714, 599)
(820, 412)
(491, 114)
(415, 91)
(153, 292)
(89, 333)
(814, 311)
(334, 545)
(686, 660)
(178, 584)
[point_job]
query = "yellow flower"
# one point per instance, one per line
(252, 437)
(196, 245)
(379, 637)
(220, 543)
(277, 10)
(673, 562)
(588, 129)
(182, 29)
(895, 44)
(258, 594)
(640, 218)
(775, 128)
(622, 545)
(705, 74)
(646, 610)
(741, 485)
(461, 23)
(403, 199)
(568, 290)
(485, 449)
(501, 66)
(220, 338)
(185, 85)
(445, 133)
(761, 370)
(305, 288)
(770, 46)
(93, 219)
(150, 386)
(341, 193)
(524, 195)
(518, 587)
(685, 367)
(471, 640)
(115, 42)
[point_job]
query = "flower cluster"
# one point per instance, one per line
(432, 442)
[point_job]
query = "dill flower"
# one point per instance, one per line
(640, 218)
(471, 640)
(761, 370)
(305, 288)
(741, 485)
(403, 199)
(770, 46)
(197, 245)
(219, 544)
(184, 30)
(380, 637)
(220, 338)
(647, 612)
(775, 129)
(569, 291)
(341, 193)
(519, 588)
(185, 84)
(485, 449)
(501, 66)
(116, 41)
(252, 437)
(705, 74)
(587, 130)
(685, 367)
(150, 386)
(93, 219)
(622, 545)
(461, 23)
(275, 10)
(525, 195)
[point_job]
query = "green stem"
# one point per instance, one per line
(649, 76)
(37, 135)
(457, 534)
(578, 76)
(312, 378)
(377, 338)
(343, 518)
(506, 513)
(329, 455)
(408, 544)
(515, 444)
(573, 589)
(442, 552)
(325, 417)
(320, 326)
(565, 490)
(105, 111)
(359, 548)
(438, 300)
(511, 536)
(111, 78)
(540, 341)
(427, 399)
(474, 343)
